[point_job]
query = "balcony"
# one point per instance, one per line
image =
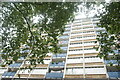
(63, 37)
(63, 42)
(15, 65)
(111, 62)
(8, 74)
(74, 60)
(66, 32)
(99, 28)
(68, 28)
(59, 56)
(64, 48)
(55, 64)
(54, 75)
(94, 59)
(114, 74)
(2, 70)
(90, 70)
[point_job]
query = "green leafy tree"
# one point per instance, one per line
(109, 39)
(32, 29)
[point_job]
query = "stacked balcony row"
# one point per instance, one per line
(57, 64)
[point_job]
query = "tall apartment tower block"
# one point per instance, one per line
(77, 60)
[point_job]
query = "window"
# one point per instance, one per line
(76, 28)
(82, 32)
(89, 49)
(88, 36)
(75, 58)
(76, 33)
(92, 57)
(76, 37)
(87, 27)
(96, 67)
(75, 43)
(76, 50)
(81, 37)
(89, 42)
(88, 31)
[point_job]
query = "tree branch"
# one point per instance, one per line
(24, 18)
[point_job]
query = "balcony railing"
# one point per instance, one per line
(15, 65)
(68, 28)
(8, 74)
(66, 32)
(59, 56)
(114, 74)
(63, 37)
(2, 70)
(115, 51)
(111, 61)
(54, 75)
(59, 64)
(99, 28)
(63, 48)
(63, 42)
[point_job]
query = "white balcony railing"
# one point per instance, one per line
(79, 60)
(75, 71)
(95, 71)
(97, 59)
(39, 71)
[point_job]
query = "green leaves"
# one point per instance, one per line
(109, 39)
(22, 32)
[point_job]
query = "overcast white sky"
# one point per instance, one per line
(84, 13)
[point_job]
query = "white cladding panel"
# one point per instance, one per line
(79, 60)
(97, 59)
(39, 71)
(75, 52)
(90, 51)
(74, 71)
(46, 61)
(2, 70)
(95, 71)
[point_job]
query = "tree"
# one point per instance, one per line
(109, 40)
(31, 30)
